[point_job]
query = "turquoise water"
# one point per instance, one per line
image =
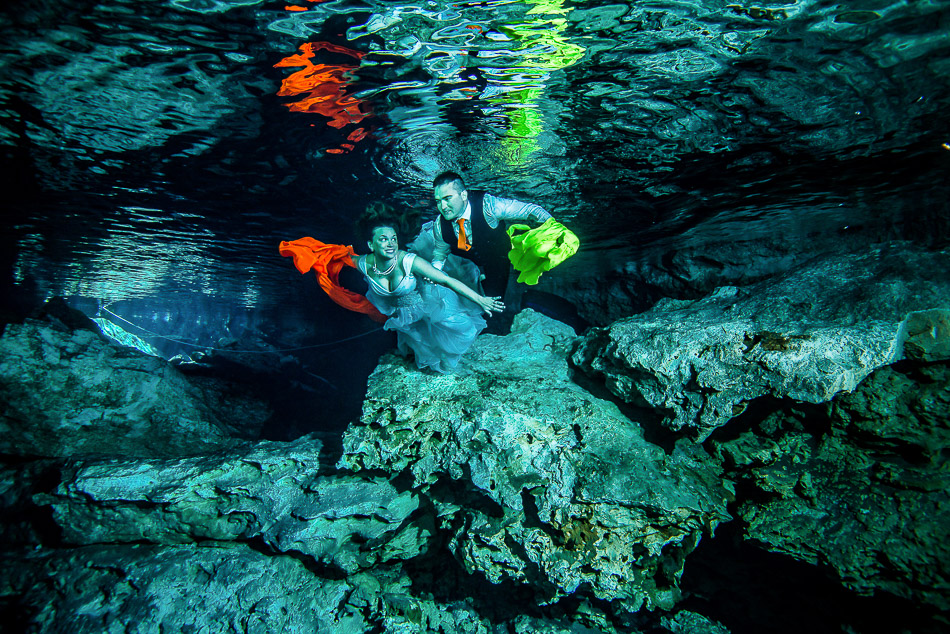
(156, 153)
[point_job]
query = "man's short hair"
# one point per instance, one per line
(448, 177)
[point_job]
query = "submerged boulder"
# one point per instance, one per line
(271, 493)
(535, 480)
(68, 391)
(859, 486)
(262, 538)
(214, 587)
(807, 336)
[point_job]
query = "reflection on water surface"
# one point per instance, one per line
(165, 148)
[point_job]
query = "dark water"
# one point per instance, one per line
(159, 151)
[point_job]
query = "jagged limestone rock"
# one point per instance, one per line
(903, 411)
(70, 392)
(926, 335)
(807, 336)
(537, 480)
(865, 491)
(272, 492)
(252, 541)
(701, 362)
(686, 622)
(212, 587)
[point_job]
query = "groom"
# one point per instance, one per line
(472, 225)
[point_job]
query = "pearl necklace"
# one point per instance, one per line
(387, 271)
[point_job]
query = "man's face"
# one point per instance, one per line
(450, 200)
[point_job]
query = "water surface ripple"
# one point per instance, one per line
(162, 149)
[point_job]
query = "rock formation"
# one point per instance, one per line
(859, 485)
(270, 536)
(809, 335)
(67, 392)
(516, 493)
(560, 489)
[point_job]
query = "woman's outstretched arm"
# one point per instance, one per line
(426, 270)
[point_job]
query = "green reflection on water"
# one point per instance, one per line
(545, 50)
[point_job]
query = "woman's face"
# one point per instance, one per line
(384, 243)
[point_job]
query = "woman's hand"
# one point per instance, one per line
(490, 304)
(487, 304)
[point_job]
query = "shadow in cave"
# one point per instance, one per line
(751, 591)
(308, 393)
(439, 575)
(812, 418)
(649, 419)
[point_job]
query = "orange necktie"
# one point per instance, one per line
(463, 239)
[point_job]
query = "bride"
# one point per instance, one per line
(436, 316)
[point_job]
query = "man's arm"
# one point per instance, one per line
(441, 249)
(509, 210)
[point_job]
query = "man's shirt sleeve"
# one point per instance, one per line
(509, 210)
(430, 246)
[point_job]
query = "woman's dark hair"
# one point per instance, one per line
(379, 214)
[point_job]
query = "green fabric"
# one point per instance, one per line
(534, 251)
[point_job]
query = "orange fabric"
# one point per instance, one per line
(327, 260)
(322, 85)
(463, 239)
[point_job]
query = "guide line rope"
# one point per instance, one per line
(204, 347)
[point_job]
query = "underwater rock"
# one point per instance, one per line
(686, 622)
(702, 362)
(264, 539)
(862, 489)
(271, 494)
(807, 336)
(856, 275)
(903, 410)
(71, 392)
(535, 480)
(926, 335)
(212, 587)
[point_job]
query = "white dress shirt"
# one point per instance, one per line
(495, 210)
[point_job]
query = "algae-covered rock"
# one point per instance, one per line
(810, 335)
(702, 362)
(561, 489)
(686, 622)
(272, 493)
(926, 335)
(862, 489)
(212, 587)
(71, 392)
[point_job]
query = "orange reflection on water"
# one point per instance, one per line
(296, 8)
(357, 135)
(321, 87)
